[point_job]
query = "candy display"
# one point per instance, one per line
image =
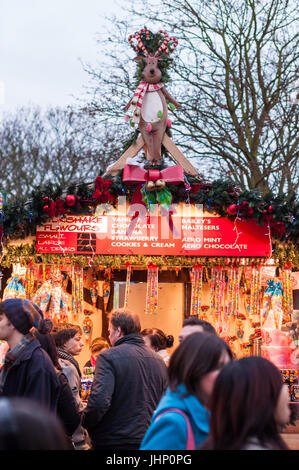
(290, 378)
(294, 392)
(86, 382)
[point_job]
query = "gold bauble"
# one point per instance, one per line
(150, 186)
(160, 184)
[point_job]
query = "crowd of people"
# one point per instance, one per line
(198, 397)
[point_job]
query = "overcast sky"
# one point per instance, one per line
(41, 44)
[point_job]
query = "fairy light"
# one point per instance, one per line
(235, 229)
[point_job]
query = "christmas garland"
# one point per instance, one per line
(20, 217)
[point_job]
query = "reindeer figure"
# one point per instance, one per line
(148, 107)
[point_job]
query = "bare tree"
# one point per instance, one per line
(234, 73)
(61, 146)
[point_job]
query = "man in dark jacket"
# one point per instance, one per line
(27, 370)
(129, 381)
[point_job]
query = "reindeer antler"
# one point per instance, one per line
(166, 43)
(140, 45)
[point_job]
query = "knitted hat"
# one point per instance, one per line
(24, 314)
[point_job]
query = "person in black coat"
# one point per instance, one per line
(67, 409)
(27, 370)
(129, 381)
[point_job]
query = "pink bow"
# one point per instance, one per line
(135, 174)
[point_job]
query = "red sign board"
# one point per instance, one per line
(193, 236)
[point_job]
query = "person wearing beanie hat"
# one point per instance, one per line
(27, 370)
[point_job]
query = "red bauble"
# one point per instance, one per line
(232, 209)
(70, 200)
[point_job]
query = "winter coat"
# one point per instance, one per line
(67, 409)
(169, 432)
(32, 375)
(80, 438)
(128, 383)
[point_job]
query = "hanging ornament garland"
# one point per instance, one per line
(233, 291)
(217, 290)
(276, 304)
(287, 302)
(128, 280)
(196, 292)
(77, 291)
(151, 306)
(255, 290)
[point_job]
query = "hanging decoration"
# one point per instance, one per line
(272, 302)
(255, 291)
(42, 295)
(276, 303)
(14, 289)
(196, 290)
(94, 293)
(29, 282)
(87, 327)
(77, 291)
(287, 301)
(51, 296)
(233, 291)
(128, 280)
(106, 287)
(217, 290)
(151, 306)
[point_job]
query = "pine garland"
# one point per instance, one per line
(21, 217)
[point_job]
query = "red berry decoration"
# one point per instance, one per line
(232, 209)
(70, 200)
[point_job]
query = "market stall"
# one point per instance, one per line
(159, 238)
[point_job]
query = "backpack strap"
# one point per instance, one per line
(190, 445)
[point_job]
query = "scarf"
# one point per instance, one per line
(138, 96)
(63, 354)
(11, 356)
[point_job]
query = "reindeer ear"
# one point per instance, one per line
(138, 58)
